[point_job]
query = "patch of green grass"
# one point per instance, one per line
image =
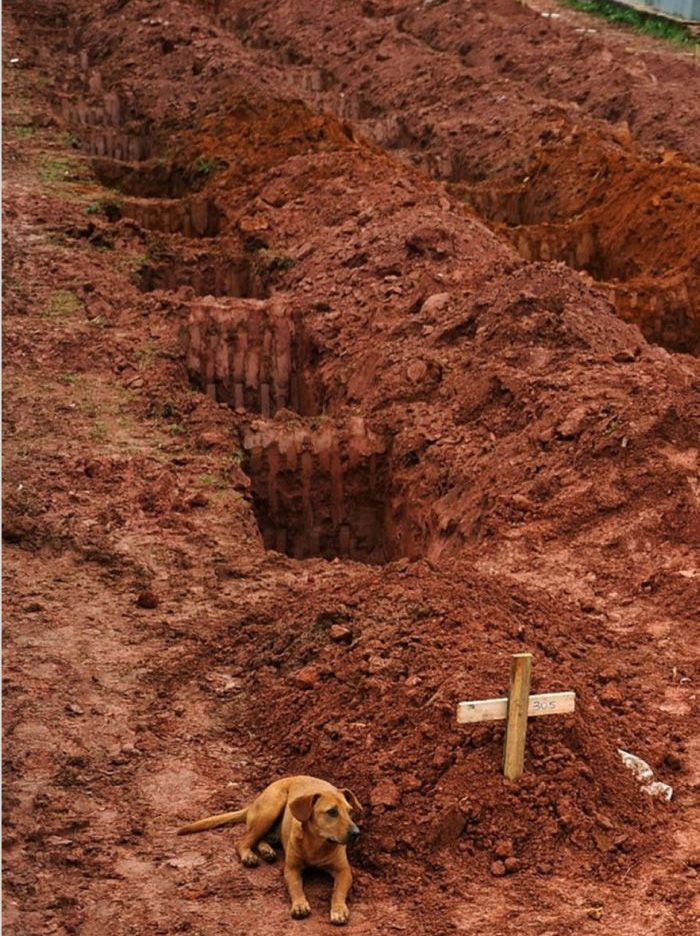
(63, 304)
(135, 267)
(99, 430)
(109, 207)
(146, 356)
(212, 481)
(23, 131)
(206, 166)
(270, 262)
(644, 22)
(99, 321)
(69, 378)
(53, 170)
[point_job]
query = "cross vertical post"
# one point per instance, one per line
(516, 716)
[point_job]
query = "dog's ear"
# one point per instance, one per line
(302, 807)
(352, 799)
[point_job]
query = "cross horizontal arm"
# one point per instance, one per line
(549, 703)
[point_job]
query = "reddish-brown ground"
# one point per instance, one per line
(299, 450)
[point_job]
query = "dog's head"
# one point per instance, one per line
(328, 815)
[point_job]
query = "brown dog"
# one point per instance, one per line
(311, 819)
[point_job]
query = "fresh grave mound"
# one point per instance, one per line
(362, 690)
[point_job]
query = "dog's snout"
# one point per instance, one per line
(353, 832)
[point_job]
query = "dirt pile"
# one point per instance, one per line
(371, 682)
(471, 90)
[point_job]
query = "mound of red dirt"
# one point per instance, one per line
(366, 686)
(570, 184)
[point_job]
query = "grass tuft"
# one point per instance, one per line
(643, 22)
(63, 304)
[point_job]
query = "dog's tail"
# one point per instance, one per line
(213, 822)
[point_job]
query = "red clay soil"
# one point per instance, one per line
(550, 150)
(299, 452)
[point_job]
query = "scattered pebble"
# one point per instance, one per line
(147, 599)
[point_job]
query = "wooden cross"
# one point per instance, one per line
(516, 709)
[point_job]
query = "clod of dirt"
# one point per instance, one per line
(385, 793)
(338, 633)
(448, 827)
(147, 599)
(503, 849)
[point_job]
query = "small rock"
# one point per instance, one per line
(448, 827)
(603, 841)
(498, 869)
(607, 675)
(503, 849)
(186, 861)
(147, 599)
(673, 761)
(595, 913)
(571, 425)
(416, 371)
(253, 224)
(621, 133)
(73, 709)
(385, 793)
(522, 502)
(512, 864)
(212, 439)
(611, 697)
(338, 633)
(386, 842)
(435, 303)
(308, 677)
(624, 357)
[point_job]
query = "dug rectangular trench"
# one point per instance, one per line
(320, 490)
(253, 355)
(207, 274)
(319, 486)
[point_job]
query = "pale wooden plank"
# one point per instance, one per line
(547, 703)
(482, 710)
(552, 703)
(516, 718)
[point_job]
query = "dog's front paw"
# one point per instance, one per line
(250, 859)
(266, 851)
(340, 915)
(301, 909)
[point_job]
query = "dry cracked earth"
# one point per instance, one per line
(349, 349)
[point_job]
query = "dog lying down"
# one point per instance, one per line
(312, 821)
